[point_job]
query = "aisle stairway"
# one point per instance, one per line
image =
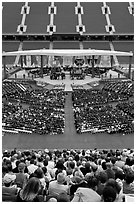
(69, 117)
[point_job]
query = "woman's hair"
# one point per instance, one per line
(129, 177)
(109, 194)
(31, 189)
(112, 182)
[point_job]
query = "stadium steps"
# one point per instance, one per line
(69, 117)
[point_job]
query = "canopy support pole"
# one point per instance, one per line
(4, 65)
(21, 61)
(41, 66)
(111, 60)
(130, 62)
(93, 66)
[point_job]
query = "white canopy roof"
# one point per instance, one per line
(68, 52)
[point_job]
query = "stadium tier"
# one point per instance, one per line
(93, 19)
(68, 17)
(35, 45)
(66, 45)
(38, 19)
(11, 15)
(65, 19)
(120, 17)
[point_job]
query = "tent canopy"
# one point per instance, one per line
(68, 52)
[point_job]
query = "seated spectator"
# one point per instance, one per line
(63, 197)
(119, 194)
(30, 192)
(9, 190)
(32, 167)
(109, 194)
(102, 177)
(87, 194)
(57, 186)
(128, 184)
(21, 177)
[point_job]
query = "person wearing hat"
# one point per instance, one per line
(9, 190)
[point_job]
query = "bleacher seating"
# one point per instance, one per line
(38, 18)
(121, 18)
(93, 19)
(65, 11)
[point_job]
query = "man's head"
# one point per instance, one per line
(61, 178)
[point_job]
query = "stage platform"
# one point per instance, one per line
(67, 82)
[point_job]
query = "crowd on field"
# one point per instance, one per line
(44, 113)
(94, 111)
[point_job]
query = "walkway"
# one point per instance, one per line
(70, 130)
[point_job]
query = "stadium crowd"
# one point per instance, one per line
(67, 175)
(44, 112)
(94, 112)
(102, 119)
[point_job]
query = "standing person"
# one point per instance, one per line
(30, 192)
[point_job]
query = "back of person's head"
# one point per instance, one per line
(44, 169)
(31, 189)
(52, 200)
(45, 162)
(76, 157)
(60, 165)
(129, 177)
(112, 182)
(61, 178)
(119, 174)
(113, 160)
(32, 161)
(21, 167)
(110, 173)
(87, 165)
(38, 173)
(9, 167)
(72, 165)
(104, 165)
(4, 169)
(63, 197)
(109, 194)
(92, 182)
(102, 176)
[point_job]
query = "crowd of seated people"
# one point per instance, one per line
(92, 112)
(68, 175)
(8, 109)
(102, 119)
(127, 107)
(120, 87)
(44, 114)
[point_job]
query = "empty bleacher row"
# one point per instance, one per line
(65, 19)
